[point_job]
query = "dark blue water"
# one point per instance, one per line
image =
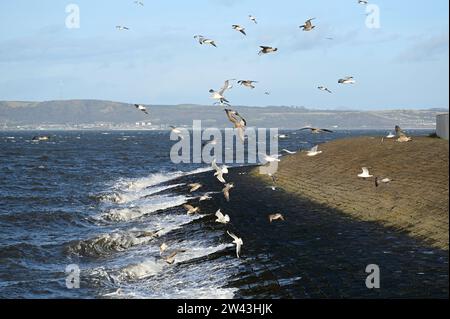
(91, 199)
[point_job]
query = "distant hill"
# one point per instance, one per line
(72, 112)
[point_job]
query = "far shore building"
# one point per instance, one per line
(442, 126)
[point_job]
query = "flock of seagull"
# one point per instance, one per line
(240, 124)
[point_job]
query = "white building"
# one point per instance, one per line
(442, 126)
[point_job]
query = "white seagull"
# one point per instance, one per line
(221, 218)
(347, 80)
(220, 171)
(163, 248)
(365, 173)
(271, 159)
(323, 88)
(177, 131)
(240, 124)
(202, 40)
(195, 187)
(289, 152)
(205, 197)
(267, 50)
(122, 28)
(379, 180)
(314, 151)
(275, 217)
(142, 108)
(308, 26)
(252, 18)
(237, 27)
(219, 95)
(390, 135)
(238, 242)
(191, 210)
(247, 83)
(226, 191)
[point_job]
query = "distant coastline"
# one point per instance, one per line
(101, 115)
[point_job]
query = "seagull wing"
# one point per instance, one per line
(225, 87)
(214, 166)
(236, 238)
(238, 249)
(226, 193)
(219, 214)
(241, 134)
(220, 177)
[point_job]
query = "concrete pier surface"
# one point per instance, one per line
(415, 202)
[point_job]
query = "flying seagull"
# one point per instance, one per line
(347, 80)
(177, 131)
(220, 171)
(271, 159)
(314, 151)
(315, 130)
(365, 173)
(163, 248)
(221, 218)
(122, 28)
(323, 88)
(308, 26)
(171, 258)
(40, 138)
(238, 242)
(237, 27)
(195, 187)
(239, 123)
(142, 108)
(191, 210)
(204, 197)
(401, 135)
(219, 95)
(364, 2)
(267, 50)
(247, 83)
(252, 18)
(202, 40)
(379, 180)
(289, 152)
(390, 135)
(139, 3)
(275, 217)
(226, 191)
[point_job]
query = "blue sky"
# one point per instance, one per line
(403, 64)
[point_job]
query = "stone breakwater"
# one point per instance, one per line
(415, 202)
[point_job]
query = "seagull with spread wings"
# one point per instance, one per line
(219, 95)
(239, 123)
(238, 242)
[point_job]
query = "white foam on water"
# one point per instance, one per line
(108, 243)
(147, 206)
(154, 179)
(152, 266)
(124, 197)
(185, 293)
(147, 268)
